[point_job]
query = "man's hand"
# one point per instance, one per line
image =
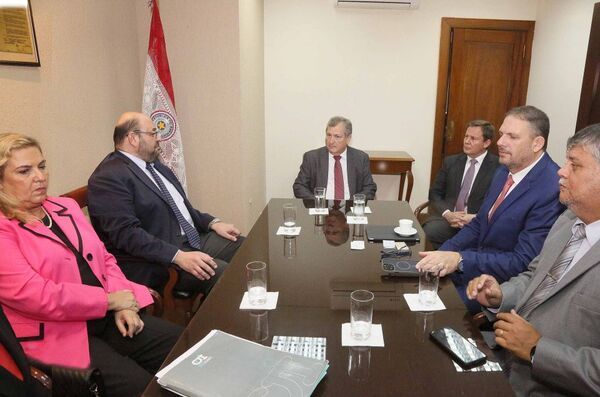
(197, 263)
(464, 219)
(128, 322)
(486, 290)
(441, 262)
(226, 230)
(124, 299)
(514, 333)
(454, 218)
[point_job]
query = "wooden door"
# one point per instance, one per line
(589, 102)
(484, 69)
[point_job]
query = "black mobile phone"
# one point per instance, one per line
(466, 354)
(400, 267)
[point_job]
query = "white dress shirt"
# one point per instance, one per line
(592, 235)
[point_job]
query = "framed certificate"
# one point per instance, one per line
(17, 34)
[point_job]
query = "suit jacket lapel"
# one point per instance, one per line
(322, 167)
(351, 171)
(141, 175)
(167, 173)
(455, 177)
(554, 246)
(484, 170)
(63, 220)
(520, 189)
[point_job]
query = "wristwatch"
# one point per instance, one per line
(532, 353)
(215, 220)
(459, 265)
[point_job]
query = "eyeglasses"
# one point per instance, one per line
(152, 133)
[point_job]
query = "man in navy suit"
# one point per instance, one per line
(519, 209)
(342, 170)
(460, 186)
(141, 212)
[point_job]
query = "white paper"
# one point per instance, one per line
(389, 244)
(357, 220)
(416, 306)
(367, 210)
(401, 246)
(318, 211)
(375, 339)
(357, 245)
(270, 304)
(288, 231)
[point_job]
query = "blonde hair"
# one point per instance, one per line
(9, 205)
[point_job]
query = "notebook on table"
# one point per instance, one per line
(226, 365)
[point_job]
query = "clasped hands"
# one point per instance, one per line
(458, 219)
(513, 332)
(126, 308)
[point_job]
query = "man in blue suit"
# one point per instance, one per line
(519, 209)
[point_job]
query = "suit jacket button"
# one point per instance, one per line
(89, 257)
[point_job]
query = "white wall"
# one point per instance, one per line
(379, 68)
(89, 73)
(562, 33)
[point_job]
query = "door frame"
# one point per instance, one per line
(444, 72)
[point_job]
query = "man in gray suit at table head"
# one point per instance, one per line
(548, 317)
(460, 187)
(336, 166)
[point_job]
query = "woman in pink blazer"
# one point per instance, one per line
(63, 293)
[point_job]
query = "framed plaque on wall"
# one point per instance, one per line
(18, 45)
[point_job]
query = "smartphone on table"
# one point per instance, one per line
(466, 354)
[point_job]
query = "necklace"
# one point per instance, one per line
(48, 217)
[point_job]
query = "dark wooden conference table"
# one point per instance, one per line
(314, 279)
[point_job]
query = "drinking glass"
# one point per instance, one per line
(361, 313)
(428, 288)
(358, 203)
(320, 197)
(289, 215)
(256, 273)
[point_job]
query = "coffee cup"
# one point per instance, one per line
(405, 226)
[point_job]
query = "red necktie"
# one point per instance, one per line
(338, 178)
(509, 182)
(8, 363)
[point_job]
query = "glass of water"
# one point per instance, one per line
(358, 202)
(428, 288)
(256, 274)
(289, 215)
(361, 313)
(320, 197)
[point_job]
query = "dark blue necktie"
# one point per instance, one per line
(191, 233)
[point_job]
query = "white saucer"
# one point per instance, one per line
(412, 231)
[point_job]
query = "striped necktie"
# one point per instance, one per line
(463, 195)
(509, 182)
(556, 271)
(189, 230)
